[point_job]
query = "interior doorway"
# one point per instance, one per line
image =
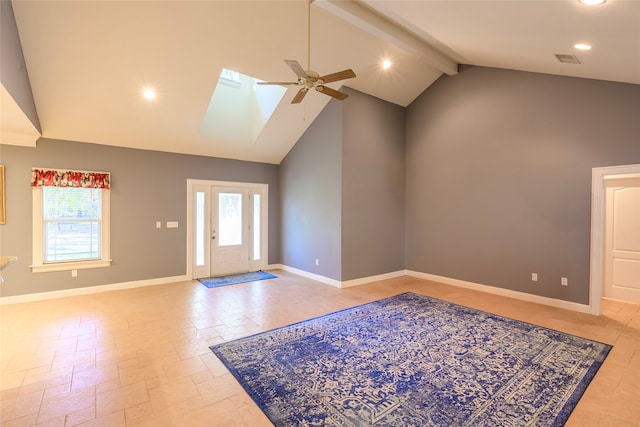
(622, 238)
(227, 228)
(599, 178)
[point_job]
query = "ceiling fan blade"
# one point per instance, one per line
(299, 96)
(297, 68)
(331, 92)
(278, 83)
(340, 75)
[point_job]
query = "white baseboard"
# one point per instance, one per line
(312, 276)
(90, 290)
(338, 283)
(567, 305)
(582, 308)
(371, 279)
(273, 267)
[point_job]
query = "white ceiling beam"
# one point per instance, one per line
(359, 15)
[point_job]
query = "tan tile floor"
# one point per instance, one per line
(140, 357)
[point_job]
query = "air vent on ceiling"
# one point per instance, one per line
(567, 59)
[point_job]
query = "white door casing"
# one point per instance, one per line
(596, 276)
(622, 238)
(200, 228)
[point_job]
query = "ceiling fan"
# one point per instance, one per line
(310, 79)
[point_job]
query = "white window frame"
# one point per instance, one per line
(38, 266)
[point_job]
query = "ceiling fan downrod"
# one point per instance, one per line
(309, 34)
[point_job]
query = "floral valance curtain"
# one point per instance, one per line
(61, 178)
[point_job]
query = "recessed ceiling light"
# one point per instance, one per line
(582, 46)
(386, 64)
(592, 2)
(149, 93)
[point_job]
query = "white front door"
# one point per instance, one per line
(229, 230)
(622, 238)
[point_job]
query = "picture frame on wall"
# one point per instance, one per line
(3, 211)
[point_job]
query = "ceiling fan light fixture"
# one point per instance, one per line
(309, 79)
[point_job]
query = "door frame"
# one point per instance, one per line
(596, 278)
(254, 188)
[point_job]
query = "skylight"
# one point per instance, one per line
(239, 108)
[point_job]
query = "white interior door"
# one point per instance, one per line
(230, 236)
(622, 238)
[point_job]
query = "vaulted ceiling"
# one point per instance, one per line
(88, 61)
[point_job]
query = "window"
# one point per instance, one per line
(239, 108)
(257, 222)
(70, 220)
(234, 76)
(71, 224)
(201, 250)
(230, 218)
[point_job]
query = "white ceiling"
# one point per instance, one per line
(88, 61)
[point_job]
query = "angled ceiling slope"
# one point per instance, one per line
(89, 61)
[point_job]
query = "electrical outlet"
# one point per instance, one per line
(534, 277)
(564, 281)
(74, 273)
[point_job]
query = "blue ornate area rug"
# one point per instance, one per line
(412, 360)
(214, 282)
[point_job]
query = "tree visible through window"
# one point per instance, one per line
(72, 224)
(70, 220)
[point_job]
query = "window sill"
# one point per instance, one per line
(66, 266)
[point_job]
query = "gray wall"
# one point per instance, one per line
(499, 175)
(13, 70)
(311, 197)
(147, 186)
(373, 196)
(342, 188)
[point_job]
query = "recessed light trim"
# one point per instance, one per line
(592, 2)
(386, 64)
(582, 46)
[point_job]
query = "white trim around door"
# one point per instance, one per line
(199, 231)
(596, 280)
